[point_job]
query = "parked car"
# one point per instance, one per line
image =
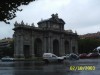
(88, 55)
(67, 56)
(93, 55)
(83, 55)
(50, 57)
(73, 56)
(7, 58)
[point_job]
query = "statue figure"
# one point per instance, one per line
(16, 23)
(33, 24)
(55, 16)
(22, 23)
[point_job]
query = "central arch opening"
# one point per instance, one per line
(56, 47)
(38, 48)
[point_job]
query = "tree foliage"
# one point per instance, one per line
(7, 50)
(8, 8)
(87, 45)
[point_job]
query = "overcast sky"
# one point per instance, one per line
(82, 16)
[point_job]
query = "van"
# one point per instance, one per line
(50, 57)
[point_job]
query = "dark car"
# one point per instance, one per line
(93, 55)
(73, 56)
(83, 55)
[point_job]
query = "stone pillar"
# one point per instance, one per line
(32, 46)
(49, 44)
(16, 53)
(44, 44)
(18, 45)
(47, 49)
(63, 46)
(42, 39)
(70, 45)
(21, 46)
(76, 45)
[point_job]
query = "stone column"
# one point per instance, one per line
(42, 38)
(60, 47)
(49, 44)
(44, 44)
(70, 45)
(32, 46)
(21, 46)
(18, 45)
(76, 45)
(16, 53)
(47, 49)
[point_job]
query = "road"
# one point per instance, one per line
(34, 68)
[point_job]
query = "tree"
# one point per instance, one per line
(7, 50)
(88, 45)
(8, 8)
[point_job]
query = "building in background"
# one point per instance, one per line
(90, 36)
(48, 37)
(6, 47)
(5, 42)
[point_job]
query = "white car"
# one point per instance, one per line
(7, 58)
(49, 57)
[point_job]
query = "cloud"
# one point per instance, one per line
(89, 29)
(5, 30)
(55, 4)
(82, 13)
(79, 15)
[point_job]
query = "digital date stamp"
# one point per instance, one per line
(82, 68)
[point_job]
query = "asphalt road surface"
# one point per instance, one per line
(74, 67)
